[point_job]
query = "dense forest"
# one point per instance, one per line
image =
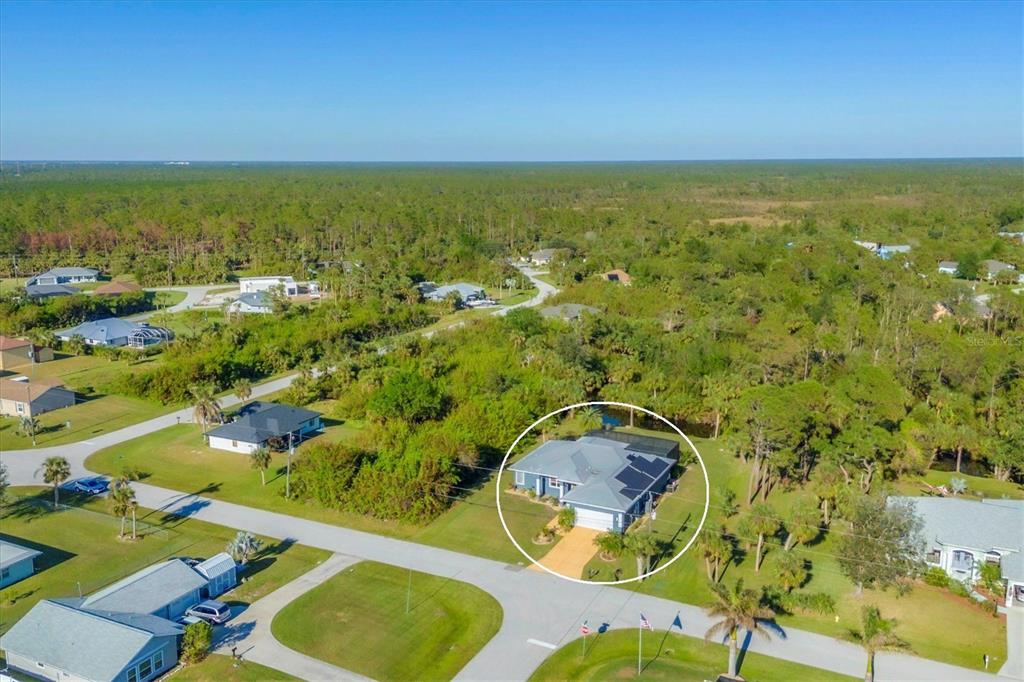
(752, 316)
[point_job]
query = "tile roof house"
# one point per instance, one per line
(960, 536)
(16, 562)
(255, 302)
(259, 423)
(15, 352)
(609, 478)
(124, 632)
(20, 397)
(50, 290)
(64, 276)
(116, 288)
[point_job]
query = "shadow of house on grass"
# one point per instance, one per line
(51, 556)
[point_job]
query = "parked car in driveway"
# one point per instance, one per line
(211, 611)
(91, 486)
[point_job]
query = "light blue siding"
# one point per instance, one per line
(17, 571)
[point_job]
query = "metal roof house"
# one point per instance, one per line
(113, 331)
(285, 283)
(609, 478)
(65, 276)
(960, 536)
(124, 632)
(949, 267)
(258, 423)
(16, 562)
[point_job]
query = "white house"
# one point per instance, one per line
(64, 276)
(259, 424)
(258, 302)
(949, 267)
(961, 536)
(252, 285)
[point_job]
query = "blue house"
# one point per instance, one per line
(609, 478)
(16, 562)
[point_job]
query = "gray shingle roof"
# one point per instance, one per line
(982, 526)
(465, 291)
(149, 590)
(39, 290)
(70, 272)
(607, 473)
(258, 422)
(101, 331)
(568, 311)
(85, 643)
(11, 553)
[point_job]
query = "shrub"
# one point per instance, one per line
(937, 577)
(567, 518)
(992, 578)
(195, 644)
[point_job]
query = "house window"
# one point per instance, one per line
(234, 443)
(934, 557)
(520, 478)
(962, 560)
(21, 407)
(5, 573)
(552, 480)
(992, 558)
(133, 675)
(158, 660)
(145, 669)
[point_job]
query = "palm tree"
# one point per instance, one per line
(610, 544)
(792, 570)
(717, 550)
(875, 634)
(206, 409)
(260, 459)
(243, 389)
(737, 608)
(29, 427)
(123, 502)
(590, 418)
(761, 521)
(5, 482)
(803, 526)
(56, 470)
(644, 547)
(243, 546)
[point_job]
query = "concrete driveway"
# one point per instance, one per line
(1014, 666)
(571, 554)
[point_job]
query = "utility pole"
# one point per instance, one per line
(288, 470)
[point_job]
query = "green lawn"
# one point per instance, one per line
(977, 486)
(358, 620)
(82, 553)
(165, 299)
(224, 669)
(613, 656)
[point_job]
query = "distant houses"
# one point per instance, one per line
(17, 352)
(989, 269)
(618, 276)
(469, 294)
(261, 424)
(256, 302)
(883, 251)
(125, 632)
(949, 267)
(72, 275)
(16, 562)
(41, 291)
(544, 256)
(115, 332)
(961, 536)
(20, 397)
(1013, 235)
(285, 284)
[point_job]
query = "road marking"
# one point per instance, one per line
(546, 645)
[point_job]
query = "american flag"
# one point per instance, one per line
(584, 630)
(644, 623)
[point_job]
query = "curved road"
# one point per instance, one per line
(541, 612)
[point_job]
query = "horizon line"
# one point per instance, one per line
(184, 160)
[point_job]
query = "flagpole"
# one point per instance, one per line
(639, 649)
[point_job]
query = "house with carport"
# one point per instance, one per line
(610, 478)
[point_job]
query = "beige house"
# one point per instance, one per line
(20, 398)
(16, 352)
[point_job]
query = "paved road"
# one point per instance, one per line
(249, 633)
(193, 295)
(541, 612)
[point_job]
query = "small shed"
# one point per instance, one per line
(222, 573)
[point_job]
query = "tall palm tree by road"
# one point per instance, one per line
(242, 389)
(56, 470)
(738, 608)
(29, 427)
(875, 634)
(206, 409)
(260, 459)
(123, 503)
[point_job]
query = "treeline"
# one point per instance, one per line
(21, 316)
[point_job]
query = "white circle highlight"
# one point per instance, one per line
(598, 403)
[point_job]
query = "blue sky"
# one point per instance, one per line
(518, 82)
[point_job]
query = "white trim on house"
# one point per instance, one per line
(233, 445)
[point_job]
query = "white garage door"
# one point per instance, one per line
(599, 520)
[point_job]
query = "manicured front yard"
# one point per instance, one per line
(613, 655)
(82, 552)
(358, 620)
(223, 669)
